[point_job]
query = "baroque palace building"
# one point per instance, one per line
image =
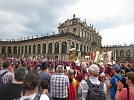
(73, 33)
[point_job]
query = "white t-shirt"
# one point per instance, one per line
(31, 97)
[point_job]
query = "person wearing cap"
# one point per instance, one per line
(108, 69)
(111, 84)
(93, 72)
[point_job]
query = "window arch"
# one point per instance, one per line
(3, 50)
(44, 48)
(62, 32)
(85, 35)
(9, 50)
(81, 31)
(128, 52)
(81, 48)
(75, 31)
(133, 52)
(87, 49)
(22, 50)
(64, 47)
(72, 45)
(77, 46)
(39, 48)
(67, 30)
(14, 50)
(50, 48)
(121, 52)
(18, 50)
(25, 49)
(34, 49)
(56, 49)
(29, 49)
(84, 48)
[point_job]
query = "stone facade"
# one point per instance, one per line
(122, 53)
(73, 33)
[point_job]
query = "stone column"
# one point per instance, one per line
(46, 48)
(12, 49)
(41, 48)
(6, 49)
(36, 48)
(53, 49)
(31, 49)
(28, 49)
(68, 46)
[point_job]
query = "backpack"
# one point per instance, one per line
(1, 82)
(95, 92)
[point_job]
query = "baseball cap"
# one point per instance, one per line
(117, 68)
(94, 69)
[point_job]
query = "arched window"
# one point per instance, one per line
(72, 45)
(39, 48)
(77, 46)
(133, 52)
(25, 49)
(62, 32)
(56, 47)
(18, 50)
(67, 30)
(84, 48)
(75, 31)
(22, 50)
(81, 48)
(128, 52)
(64, 47)
(9, 50)
(29, 49)
(34, 49)
(50, 48)
(14, 50)
(44, 49)
(85, 35)
(81, 31)
(122, 53)
(3, 50)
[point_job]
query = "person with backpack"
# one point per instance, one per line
(111, 84)
(92, 88)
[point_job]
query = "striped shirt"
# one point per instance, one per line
(59, 84)
(8, 77)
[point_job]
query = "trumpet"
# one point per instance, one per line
(96, 60)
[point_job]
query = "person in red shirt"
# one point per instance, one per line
(122, 93)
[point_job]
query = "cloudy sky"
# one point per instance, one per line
(22, 18)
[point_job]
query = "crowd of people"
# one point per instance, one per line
(46, 79)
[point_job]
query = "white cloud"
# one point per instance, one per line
(119, 35)
(113, 18)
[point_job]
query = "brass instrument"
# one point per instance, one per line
(96, 60)
(73, 56)
(87, 57)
